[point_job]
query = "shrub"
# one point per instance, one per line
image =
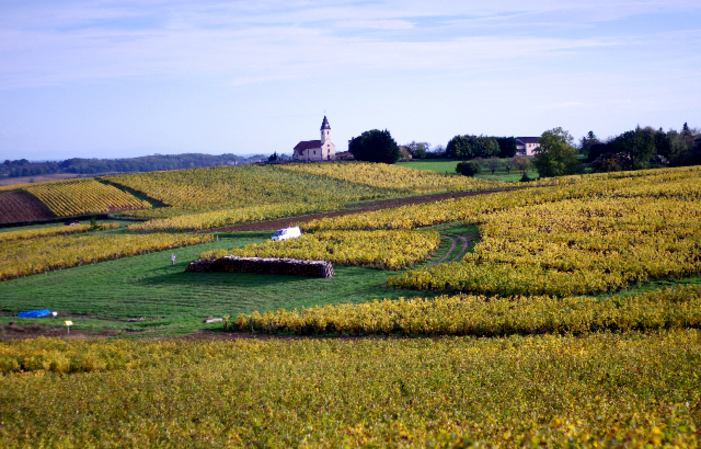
(468, 168)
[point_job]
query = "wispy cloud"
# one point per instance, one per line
(242, 41)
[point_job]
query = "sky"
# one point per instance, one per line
(110, 79)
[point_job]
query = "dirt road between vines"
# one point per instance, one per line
(391, 203)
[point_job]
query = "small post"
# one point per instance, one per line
(68, 325)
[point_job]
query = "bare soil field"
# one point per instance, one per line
(21, 206)
(272, 225)
(38, 178)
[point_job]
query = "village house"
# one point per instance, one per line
(317, 150)
(526, 145)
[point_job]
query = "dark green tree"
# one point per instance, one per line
(470, 147)
(470, 168)
(507, 146)
(635, 148)
(556, 156)
(587, 142)
(375, 146)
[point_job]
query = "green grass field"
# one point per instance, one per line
(106, 295)
(448, 166)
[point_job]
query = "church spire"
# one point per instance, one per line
(325, 124)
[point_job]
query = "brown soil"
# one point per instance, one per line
(21, 206)
(17, 332)
(272, 225)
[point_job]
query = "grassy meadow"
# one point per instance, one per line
(104, 296)
(448, 167)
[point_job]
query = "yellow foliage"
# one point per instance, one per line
(388, 176)
(210, 220)
(83, 196)
(52, 231)
(22, 258)
(678, 307)
(390, 250)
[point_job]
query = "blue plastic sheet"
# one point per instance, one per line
(34, 313)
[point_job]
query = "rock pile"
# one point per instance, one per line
(263, 265)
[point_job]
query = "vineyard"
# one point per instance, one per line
(52, 231)
(219, 188)
(575, 247)
(682, 184)
(479, 316)
(83, 196)
(392, 177)
(221, 218)
(571, 317)
(42, 254)
(598, 390)
(390, 250)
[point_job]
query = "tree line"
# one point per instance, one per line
(642, 147)
(157, 162)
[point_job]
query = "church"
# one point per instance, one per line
(317, 150)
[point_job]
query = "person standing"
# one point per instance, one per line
(172, 259)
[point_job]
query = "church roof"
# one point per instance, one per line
(307, 145)
(325, 124)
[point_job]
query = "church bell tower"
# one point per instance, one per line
(325, 131)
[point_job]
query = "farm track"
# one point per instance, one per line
(351, 209)
(464, 239)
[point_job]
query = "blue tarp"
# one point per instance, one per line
(34, 313)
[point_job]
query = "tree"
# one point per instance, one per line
(556, 156)
(521, 163)
(470, 147)
(375, 146)
(508, 165)
(635, 148)
(273, 157)
(418, 149)
(588, 141)
(507, 146)
(493, 163)
(471, 168)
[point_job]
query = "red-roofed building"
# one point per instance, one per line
(317, 150)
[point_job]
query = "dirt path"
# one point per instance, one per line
(453, 244)
(272, 225)
(465, 239)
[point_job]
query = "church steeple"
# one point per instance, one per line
(325, 131)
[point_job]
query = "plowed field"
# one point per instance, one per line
(21, 206)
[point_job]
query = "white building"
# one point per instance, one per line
(526, 145)
(317, 150)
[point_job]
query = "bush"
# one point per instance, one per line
(468, 168)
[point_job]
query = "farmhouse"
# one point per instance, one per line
(526, 145)
(317, 150)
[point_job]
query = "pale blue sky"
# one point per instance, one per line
(113, 79)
